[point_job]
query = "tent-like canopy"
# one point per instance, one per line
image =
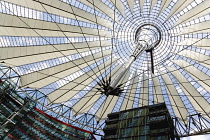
(65, 48)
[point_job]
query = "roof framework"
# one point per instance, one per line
(63, 48)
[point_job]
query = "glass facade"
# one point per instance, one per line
(21, 120)
(144, 123)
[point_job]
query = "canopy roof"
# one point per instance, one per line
(64, 48)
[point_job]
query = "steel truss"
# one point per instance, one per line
(197, 124)
(85, 121)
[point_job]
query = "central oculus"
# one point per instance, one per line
(147, 37)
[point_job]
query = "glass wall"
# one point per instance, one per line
(145, 123)
(21, 120)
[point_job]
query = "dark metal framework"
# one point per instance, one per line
(197, 124)
(86, 121)
(19, 119)
(169, 35)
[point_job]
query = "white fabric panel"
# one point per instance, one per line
(164, 4)
(196, 28)
(119, 5)
(158, 97)
(31, 4)
(81, 14)
(100, 6)
(130, 93)
(106, 107)
(201, 58)
(91, 97)
(141, 3)
(8, 31)
(44, 28)
(110, 102)
(87, 82)
(178, 107)
(152, 4)
(198, 42)
(200, 10)
(13, 62)
(144, 93)
(198, 102)
(18, 59)
(133, 91)
(41, 78)
(202, 78)
(65, 92)
(180, 5)
(131, 4)
(50, 50)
